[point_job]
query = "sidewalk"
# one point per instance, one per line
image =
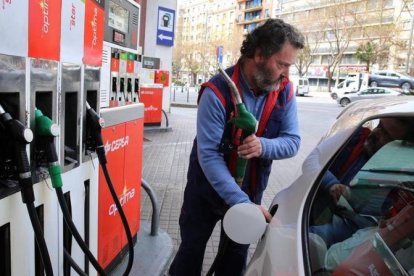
(189, 98)
(165, 163)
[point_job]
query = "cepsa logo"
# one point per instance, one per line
(44, 5)
(116, 144)
(123, 200)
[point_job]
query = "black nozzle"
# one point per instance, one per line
(21, 136)
(129, 85)
(95, 124)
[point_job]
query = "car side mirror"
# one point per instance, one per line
(244, 223)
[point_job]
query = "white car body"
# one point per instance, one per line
(284, 250)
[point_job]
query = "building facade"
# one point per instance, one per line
(339, 34)
(336, 30)
(204, 27)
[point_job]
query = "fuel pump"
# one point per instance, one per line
(22, 137)
(47, 131)
(95, 123)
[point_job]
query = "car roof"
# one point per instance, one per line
(358, 112)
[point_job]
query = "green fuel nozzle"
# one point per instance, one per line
(46, 131)
(245, 124)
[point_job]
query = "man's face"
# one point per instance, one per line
(387, 130)
(270, 72)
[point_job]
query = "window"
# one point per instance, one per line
(362, 214)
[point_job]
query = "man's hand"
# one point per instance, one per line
(266, 213)
(337, 190)
(250, 148)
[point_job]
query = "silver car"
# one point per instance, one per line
(368, 93)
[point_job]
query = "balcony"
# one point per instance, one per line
(250, 20)
(252, 8)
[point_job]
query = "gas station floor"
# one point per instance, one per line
(165, 162)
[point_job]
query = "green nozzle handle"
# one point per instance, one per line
(245, 120)
(248, 124)
(55, 174)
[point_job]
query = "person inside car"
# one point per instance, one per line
(342, 222)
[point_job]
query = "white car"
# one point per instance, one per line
(368, 93)
(381, 239)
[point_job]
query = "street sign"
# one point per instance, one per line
(165, 27)
(219, 54)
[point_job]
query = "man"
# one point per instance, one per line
(362, 146)
(261, 75)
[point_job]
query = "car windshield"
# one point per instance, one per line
(363, 212)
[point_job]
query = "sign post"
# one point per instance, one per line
(165, 27)
(219, 54)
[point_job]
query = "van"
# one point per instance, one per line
(301, 86)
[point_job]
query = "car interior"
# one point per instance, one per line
(368, 228)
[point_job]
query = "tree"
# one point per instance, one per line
(367, 52)
(305, 56)
(339, 27)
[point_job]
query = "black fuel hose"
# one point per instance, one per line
(74, 231)
(22, 136)
(47, 131)
(123, 218)
(95, 123)
(40, 240)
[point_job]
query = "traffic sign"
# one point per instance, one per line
(165, 27)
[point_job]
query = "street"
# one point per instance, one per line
(166, 155)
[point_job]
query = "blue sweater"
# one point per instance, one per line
(211, 120)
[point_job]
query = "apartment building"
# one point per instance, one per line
(253, 12)
(203, 27)
(335, 30)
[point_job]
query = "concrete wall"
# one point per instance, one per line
(150, 47)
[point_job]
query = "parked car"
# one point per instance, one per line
(301, 85)
(346, 86)
(289, 244)
(387, 78)
(368, 93)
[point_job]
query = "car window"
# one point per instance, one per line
(300, 82)
(382, 91)
(382, 74)
(369, 91)
(394, 75)
(362, 215)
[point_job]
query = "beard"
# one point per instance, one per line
(263, 79)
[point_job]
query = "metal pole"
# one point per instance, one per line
(410, 40)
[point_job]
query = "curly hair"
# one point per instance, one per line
(270, 38)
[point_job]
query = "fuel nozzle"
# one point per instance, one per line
(244, 122)
(46, 131)
(21, 136)
(95, 123)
